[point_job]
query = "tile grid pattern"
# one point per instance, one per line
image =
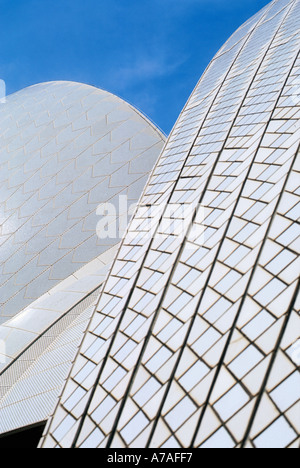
(167, 163)
(279, 400)
(227, 282)
(22, 330)
(165, 378)
(38, 375)
(27, 355)
(65, 148)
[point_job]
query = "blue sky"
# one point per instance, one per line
(149, 52)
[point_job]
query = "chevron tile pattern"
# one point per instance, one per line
(22, 331)
(31, 385)
(194, 336)
(65, 148)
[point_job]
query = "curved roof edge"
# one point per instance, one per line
(142, 141)
(142, 114)
(19, 333)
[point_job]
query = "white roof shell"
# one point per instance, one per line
(65, 148)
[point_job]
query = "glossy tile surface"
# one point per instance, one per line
(65, 149)
(196, 331)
